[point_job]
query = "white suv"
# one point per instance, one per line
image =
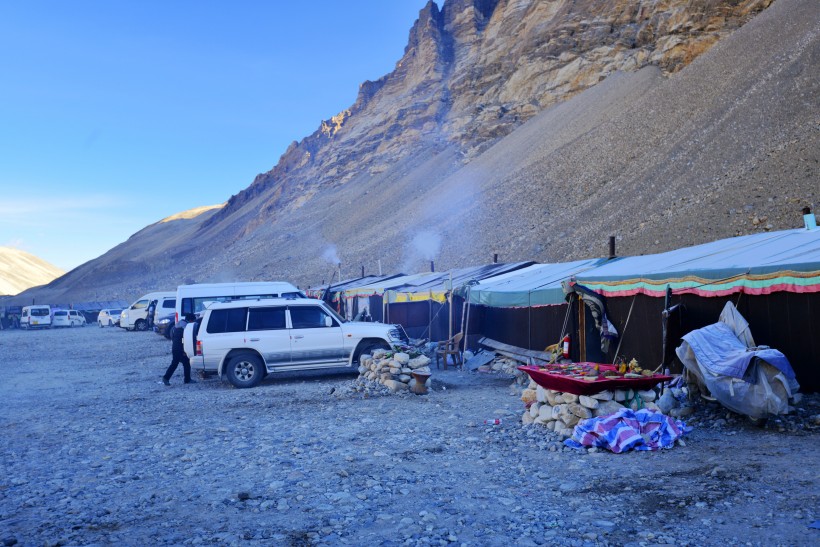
(246, 339)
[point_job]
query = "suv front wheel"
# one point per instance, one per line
(245, 370)
(369, 348)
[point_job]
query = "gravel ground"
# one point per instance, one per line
(95, 451)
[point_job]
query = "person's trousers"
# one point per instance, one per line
(178, 358)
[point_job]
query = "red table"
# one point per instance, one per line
(563, 378)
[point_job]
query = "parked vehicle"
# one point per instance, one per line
(164, 324)
(67, 318)
(135, 317)
(165, 307)
(109, 318)
(36, 317)
(245, 340)
(192, 298)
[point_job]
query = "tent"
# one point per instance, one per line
(330, 292)
(758, 264)
(526, 307)
(773, 278)
(368, 297)
(534, 285)
(422, 306)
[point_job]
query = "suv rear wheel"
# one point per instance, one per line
(245, 370)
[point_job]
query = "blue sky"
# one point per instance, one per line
(114, 115)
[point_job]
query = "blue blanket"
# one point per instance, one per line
(628, 430)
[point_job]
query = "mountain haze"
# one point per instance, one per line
(529, 128)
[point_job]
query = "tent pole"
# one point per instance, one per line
(385, 309)
(430, 315)
(467, 322)
(582, 330)
(529, 320)
(463, 314)
(450, 304)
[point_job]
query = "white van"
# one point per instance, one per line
(192, 298)
(67, 318)
(36, 317)
(135, 316)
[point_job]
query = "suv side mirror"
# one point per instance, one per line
(328, 321)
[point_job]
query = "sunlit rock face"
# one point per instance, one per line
(20, 270)
(473, 70)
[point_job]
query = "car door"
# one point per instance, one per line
(268, 334)
(316, 338)
(225, 331)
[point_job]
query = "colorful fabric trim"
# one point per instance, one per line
(398, 297)
(752, 284)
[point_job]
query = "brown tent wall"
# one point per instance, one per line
(424, 319)
(533, 328)
(784, 321)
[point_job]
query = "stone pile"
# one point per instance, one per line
(560, 412)
(393, 369)
(506, 365)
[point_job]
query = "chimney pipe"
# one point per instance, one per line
(612, 247)
(495, 258)
(362, 270)
(432, 266)
(809, 220)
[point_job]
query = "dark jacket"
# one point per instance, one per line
(176, 337)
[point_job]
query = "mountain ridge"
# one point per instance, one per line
(20, 270)
(710, 132)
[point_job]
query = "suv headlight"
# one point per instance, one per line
(164, 321)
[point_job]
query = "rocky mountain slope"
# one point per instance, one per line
(528, 128)
(20, 270)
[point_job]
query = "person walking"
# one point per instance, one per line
(152, 309)
(178, 352)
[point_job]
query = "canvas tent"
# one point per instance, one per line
(773, 278)
(422, 306)
(357, 298)
(758, 264)
(524, 308)
(532, 286)
(330, 292)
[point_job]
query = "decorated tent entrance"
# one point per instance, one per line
(527, 308)
(773, 279)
